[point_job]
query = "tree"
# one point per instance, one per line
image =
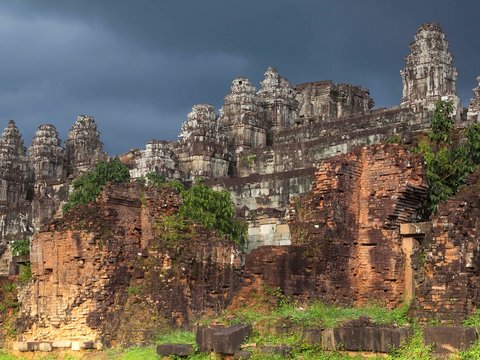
(448, 162)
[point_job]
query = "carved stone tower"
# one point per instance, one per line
(15, 187)
(278, 100)
(242, 119)
(83, 146)
(429, 74)
(203, 151)
(47, 157)
(473, 114)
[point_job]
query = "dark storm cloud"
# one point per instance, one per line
(139, 66)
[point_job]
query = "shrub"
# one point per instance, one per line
(448, 162)
(86, 188)
(214, 210)
(20, 247)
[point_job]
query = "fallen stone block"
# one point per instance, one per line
(45, 346)
(312, 336)
(378, 339)
(175, 349)
(59, 344)
(449, 339)
(204, 337)
(229, 339)
(26, 346)
(83, 345)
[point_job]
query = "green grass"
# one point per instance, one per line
(320, 314)
(133, 353)
(331, 316)
(413, 348)
(473, 319)
(176, 337)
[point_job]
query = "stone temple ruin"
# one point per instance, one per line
(263, 146)
(307, 167)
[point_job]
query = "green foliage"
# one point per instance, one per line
(20, 247)
(25, 274)
(86, 188)
(173, 229)
(447, 162)
(176, 337)
(153, 178)
(473, 319)
(394, 139)
(135, 290)
(214, 210)
(472, 353)
(413, 348)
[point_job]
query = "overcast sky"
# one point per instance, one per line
(139, 66)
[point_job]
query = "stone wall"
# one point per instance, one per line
(104, 271)
(262, 200)
(325, 100)
(346, 244)
(448, 267)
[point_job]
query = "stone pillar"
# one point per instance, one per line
(412, 235)
(429, 74)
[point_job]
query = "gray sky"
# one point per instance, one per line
(139, 66)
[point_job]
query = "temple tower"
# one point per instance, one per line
(15, 187)
(277, 97)
(473, 114)
(429, 74)
(48, 159)
(202, 149)
(241, 117)
(83, 145)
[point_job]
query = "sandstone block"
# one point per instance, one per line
(62, 344)
(378, 339)
(448, 339)
(312, 336)
(229, 339)
(175, 349)
(45, 346)
(204, 337)
(26, 346)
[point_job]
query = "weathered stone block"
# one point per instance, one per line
(312, 336)
(45, 346)
(377, 339)
(229, 339)
(204, 337)
(175, 349)
(448, 339)
(26, 346)
(62, 344)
